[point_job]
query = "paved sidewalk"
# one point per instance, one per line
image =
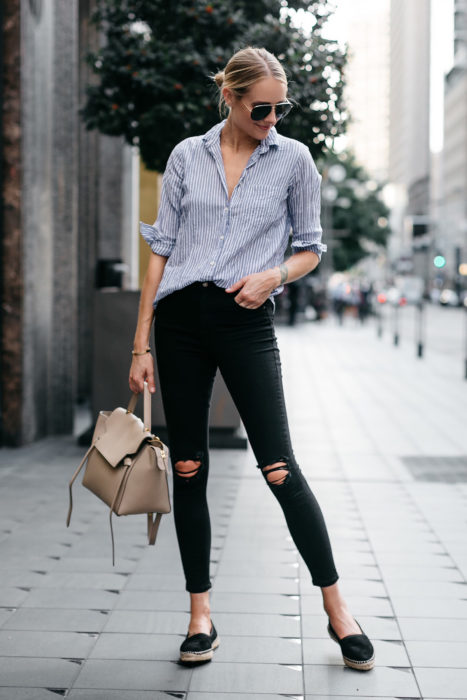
(359, 408)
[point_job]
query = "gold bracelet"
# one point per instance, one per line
(148, 349)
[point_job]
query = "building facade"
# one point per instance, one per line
(451, 233)
(409, 134)
(68, 205)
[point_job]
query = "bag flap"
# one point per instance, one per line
(124, 433)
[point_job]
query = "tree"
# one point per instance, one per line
(152, 83)
(357, 211)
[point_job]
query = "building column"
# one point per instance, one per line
(11, 269)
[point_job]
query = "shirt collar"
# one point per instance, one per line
(213, 135)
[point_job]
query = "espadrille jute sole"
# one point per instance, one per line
(364, 665)
(199, 656)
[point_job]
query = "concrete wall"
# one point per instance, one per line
(49, 215)
(69, 199)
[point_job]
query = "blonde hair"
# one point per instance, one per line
(245, 68)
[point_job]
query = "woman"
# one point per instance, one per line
(229, 199)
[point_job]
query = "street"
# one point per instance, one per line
(380, 436)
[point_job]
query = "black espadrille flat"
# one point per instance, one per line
(357, 650)
(199, 647)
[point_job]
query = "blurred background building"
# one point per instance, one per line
(451, 214)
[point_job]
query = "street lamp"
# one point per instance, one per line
(332, 175)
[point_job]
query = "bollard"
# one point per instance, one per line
(396, 324)
(420, 328)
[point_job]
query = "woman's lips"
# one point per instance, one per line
(264, 128)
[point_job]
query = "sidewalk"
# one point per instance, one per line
(382, 439)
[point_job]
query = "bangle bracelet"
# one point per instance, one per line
(284, 272)
(148, 349)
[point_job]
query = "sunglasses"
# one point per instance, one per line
(259, 112)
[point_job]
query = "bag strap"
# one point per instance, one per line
(153, 526)
(81, 465)
(147, 406)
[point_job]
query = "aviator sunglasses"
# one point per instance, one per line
(259, 112)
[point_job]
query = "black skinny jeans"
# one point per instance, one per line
(197, 330)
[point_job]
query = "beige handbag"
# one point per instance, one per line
(127, 466)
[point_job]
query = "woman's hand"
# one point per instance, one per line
(141, 370)
(255, 288)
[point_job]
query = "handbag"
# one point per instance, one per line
(127, 466)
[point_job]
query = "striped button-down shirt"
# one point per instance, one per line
(209, 237)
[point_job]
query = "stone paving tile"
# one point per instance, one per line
(67, 599)
(27, 694)
(133, 675)
(94, 565)
(12, 597)
(248, 678)
(255, 603)
(433, 629)
(82, 580)
(405, 606)
(5, 614)
(360, 605)
(154, 600)
(46, 644)
(346, 571)
(56, 620)
(98, 694)
(421, 573)
(147, 622)
(350, 588)
(17, 577)
(239, 696)
(437, 653)
(155, 582)
(137, 647)
(310, 696)
(37, 672)
(248, 624)
(339, 680)
(430, 589)
(448, 683)
(257, 584)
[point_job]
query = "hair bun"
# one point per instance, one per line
(219, 78)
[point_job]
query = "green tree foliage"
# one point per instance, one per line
(152, 81)
(357, 211)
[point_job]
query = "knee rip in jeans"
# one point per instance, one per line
(187, 469)
(277, 473)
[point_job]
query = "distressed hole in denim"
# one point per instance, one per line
(276, 474)
(187, 469)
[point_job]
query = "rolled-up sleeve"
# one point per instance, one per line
(304, 203)
(162, 235)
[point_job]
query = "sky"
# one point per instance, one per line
(441, 55)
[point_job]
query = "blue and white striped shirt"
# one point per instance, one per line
(208, 237)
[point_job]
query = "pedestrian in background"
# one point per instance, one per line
(229, 198)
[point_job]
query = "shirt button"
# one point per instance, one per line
(222, 238)
(212, 262)
(226, 209)
(205, 284)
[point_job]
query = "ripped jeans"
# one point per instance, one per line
(198, 329)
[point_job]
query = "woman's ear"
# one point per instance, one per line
(228, 97)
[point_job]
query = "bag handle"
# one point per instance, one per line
(147, 406)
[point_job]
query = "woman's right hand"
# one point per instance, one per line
(141, 370)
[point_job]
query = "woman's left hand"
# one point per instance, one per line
(255, 288)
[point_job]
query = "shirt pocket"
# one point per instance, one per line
(266, 204)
